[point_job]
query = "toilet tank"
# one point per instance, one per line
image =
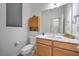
(32, 40)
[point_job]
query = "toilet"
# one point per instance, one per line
(29, 48)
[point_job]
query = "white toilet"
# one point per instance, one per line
(28, 49)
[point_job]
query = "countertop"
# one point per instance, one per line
(58, 38)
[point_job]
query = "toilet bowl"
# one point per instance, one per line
(28, 49)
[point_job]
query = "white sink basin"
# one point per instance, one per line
(49, 36)
(59, 37)
(54, 36)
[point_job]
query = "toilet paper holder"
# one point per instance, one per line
(17, 43)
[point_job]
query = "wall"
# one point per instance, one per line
(9, 35)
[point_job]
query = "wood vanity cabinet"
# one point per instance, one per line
(45, 47)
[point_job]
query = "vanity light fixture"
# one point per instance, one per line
(54, 5)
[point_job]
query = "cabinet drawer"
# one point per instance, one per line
(62, 52)
(44, 41)
(68, 46)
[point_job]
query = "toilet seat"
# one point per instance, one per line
(27, 47)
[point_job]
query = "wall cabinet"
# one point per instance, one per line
(46, 47)
(33, 23)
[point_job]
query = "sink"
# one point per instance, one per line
(50, 36)
(59, 37)
(54, 36)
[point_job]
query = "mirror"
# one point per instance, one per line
(57, 20)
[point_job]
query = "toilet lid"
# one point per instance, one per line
(27, 47)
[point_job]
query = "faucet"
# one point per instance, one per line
(43, 33)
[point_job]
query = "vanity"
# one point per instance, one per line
(47, 45)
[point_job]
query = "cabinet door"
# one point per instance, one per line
(34, 23)
(73, 47)
(62, 52)
(43, 50)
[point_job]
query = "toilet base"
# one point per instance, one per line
(29, 54)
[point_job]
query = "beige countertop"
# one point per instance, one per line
(58, 38)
